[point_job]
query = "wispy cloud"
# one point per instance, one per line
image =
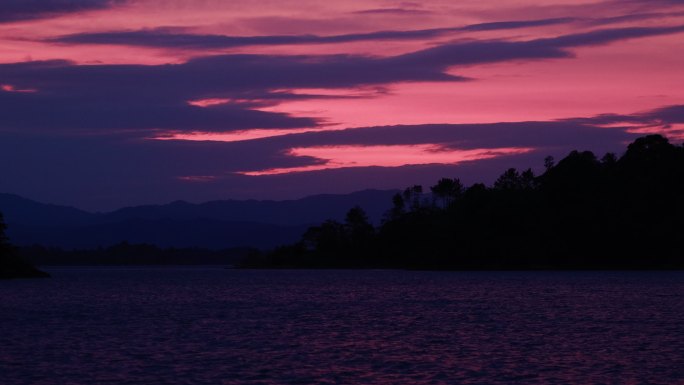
(335, 157)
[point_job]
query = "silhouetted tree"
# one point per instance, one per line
(398, 208)
(649, 148)
(328, 238)
(5, 247)
(527, 180)
(509, 180)
(357, 223)
(11, 266)
(549, 162)
(413, 195)
(609, 159)
(447, 190)
(359, 234)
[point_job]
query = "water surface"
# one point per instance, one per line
(214, 326)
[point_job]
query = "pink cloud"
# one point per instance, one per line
(335, 157)
(11, 88)
(673, 131)
(239, 135)
(208, 102)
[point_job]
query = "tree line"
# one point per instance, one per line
(582, 212)
(125, 253)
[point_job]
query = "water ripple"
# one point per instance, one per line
(212, 326)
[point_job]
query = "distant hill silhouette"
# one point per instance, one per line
(307, 210)
(215, 225)
(18, 210)
(581, 213)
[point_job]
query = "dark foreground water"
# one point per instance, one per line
(213, 326)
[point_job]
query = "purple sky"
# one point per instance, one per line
(113, 103)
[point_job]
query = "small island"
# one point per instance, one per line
(582, 212)
(11, 265)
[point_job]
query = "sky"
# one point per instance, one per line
(112, 103)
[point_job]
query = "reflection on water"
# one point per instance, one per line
(213, 326)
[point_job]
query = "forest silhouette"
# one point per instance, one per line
(581, 213)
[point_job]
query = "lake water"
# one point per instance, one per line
(214, 326)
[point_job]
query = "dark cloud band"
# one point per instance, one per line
(176, 38)
(14, 10)
(156, 97)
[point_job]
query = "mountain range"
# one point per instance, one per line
(214, 225)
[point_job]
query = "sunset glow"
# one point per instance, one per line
(288, 87)
(350, 192)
